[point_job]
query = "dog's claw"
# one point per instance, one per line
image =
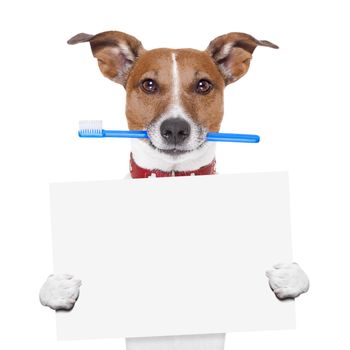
(287, 280)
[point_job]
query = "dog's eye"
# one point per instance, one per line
(204, 87)
(149, 86)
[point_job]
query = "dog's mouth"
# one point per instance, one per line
(175, 151)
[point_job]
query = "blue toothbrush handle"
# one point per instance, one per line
(142, 134)
(218, 136)
(134, 134)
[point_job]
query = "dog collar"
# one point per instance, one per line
(138, 172)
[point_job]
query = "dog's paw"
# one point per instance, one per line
(60, 292)
(287, 280)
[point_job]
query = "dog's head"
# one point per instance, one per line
(176, 95)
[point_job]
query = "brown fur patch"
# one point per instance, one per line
(232, 53)
(143, 108)
(207, 110)
(115, 52)
(193, 65)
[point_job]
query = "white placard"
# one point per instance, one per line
(171, 256)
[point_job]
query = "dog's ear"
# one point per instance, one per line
(116, 52)
(232, 54)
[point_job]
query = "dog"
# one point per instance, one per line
(177, 96)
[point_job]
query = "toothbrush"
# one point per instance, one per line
(93, 129)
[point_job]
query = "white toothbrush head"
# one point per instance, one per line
(90, 128)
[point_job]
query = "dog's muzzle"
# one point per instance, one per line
(176, 135)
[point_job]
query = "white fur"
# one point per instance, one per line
(150, 158)
(288, 280)
(125, 50)
(176, 81)
(60, 292)
(224, 51)
(122, 49)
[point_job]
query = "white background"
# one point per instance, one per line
(295, 98)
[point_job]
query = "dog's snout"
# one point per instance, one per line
(175, 130)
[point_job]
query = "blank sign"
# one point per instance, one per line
(171, 256)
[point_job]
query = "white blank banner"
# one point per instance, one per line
(171, 256)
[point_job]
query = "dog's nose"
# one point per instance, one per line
(175, 130)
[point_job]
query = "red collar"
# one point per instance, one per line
(137, 172)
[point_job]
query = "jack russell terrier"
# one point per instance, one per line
(177, 96)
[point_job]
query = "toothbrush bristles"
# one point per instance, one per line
(90, 127)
